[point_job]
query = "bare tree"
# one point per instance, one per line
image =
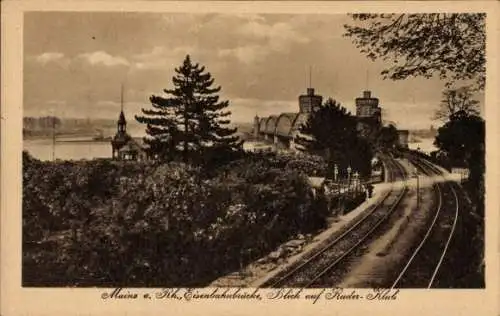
(457, 100)
(451, 46)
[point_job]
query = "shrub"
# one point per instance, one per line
(143, 224)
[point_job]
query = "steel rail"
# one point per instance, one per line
(430, 229)
(362, 239)
(421, 244)
(450, 236)
(327, 247)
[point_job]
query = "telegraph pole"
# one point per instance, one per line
(310, 76)
(418, 188)
(121, 97)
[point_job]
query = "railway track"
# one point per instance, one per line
(423, 266)
(310, 271)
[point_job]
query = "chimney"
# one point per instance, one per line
(367, 94)
(310, 91)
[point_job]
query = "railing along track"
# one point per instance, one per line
(333, 253)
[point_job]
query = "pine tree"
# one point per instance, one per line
(191, 120)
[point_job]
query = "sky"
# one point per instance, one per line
(75, 63)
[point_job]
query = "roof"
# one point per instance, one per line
(131, 145)
(139, 141)
(121, 118)
(120, 139)
(135, 144)
(285, 123)
(271, 123)
(126, 148)
(291, 115)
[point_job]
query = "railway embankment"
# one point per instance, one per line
(289, 253)
(389, 249)
(464, 265)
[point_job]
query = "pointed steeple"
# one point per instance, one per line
(122, 123)
(121, 119)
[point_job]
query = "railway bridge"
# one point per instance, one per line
(282, 129)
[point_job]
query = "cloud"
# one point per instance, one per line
(248, 38)
(398, 112)
(53, 107)
(161, 57)
(277, 33)
(49, 57)
(246, 54)
(109, 103)
(244, 109)
(263, 39)
(103, 58)
(104, 109)
(255, 58)
(278, 36)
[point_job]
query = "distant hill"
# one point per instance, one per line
(46, 126)
(244, 129)
(424, 133)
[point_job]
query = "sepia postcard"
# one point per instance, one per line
(218, 157)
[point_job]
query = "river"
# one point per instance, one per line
(78, 148)
(67, 149)
(85, 148)
(426, 145)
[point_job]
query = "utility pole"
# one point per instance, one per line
(310, 76)
(418, 188)
(121, 97)
(89, 144)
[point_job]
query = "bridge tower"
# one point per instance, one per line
(309, 102)
(368, 114)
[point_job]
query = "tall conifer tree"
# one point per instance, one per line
(191, 119)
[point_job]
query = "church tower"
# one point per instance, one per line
(121, 124)
(121, 137)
